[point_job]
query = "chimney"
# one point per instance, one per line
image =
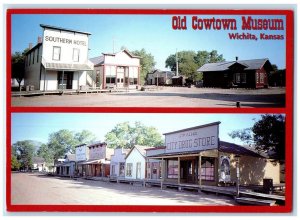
(39, 39)
(236, 58)
(30, 46)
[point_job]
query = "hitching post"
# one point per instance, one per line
(237, 162)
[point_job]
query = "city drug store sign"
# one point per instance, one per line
(194, 139)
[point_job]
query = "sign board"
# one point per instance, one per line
(64, 43)
(224, 169)
(81, 153)
(194, 139)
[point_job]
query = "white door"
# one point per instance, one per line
(120, 76)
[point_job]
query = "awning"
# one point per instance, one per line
(63, 165)
(99, 161)
(67, 66)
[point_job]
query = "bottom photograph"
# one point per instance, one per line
(145, 159)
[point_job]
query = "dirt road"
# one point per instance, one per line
(34, 189)
(164, 97)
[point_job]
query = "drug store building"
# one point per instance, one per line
(59, 60)
(197, 156)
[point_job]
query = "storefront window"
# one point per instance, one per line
(75, 54)
(56, 53)
(129, 169)
(122, 169)
(243, 78)
(173, 169)
(208, 169)
(138, 170)
(237, 77)
(110, 79)
(113, 170)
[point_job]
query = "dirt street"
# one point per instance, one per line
(34, 188)
(164, 97)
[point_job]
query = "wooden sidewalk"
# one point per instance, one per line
(65, 92)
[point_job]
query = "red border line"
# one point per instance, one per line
(288, 110)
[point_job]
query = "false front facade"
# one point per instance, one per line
(59, 60)
(117, 70)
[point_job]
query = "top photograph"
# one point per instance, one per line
(149, 58)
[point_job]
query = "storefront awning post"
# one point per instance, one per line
(178, 180)
(162, 173)
(199, 174)
(237, 160)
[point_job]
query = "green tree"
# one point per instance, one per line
(126, 135)
(45, 153)
(267, 136)
(15, 164)
(25, 151)
(190, 61)
(64, 141)
(60, 143)
(84, 136)
(18, 66)
(147, 63)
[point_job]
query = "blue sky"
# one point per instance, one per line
(152, 32)
(38, 126)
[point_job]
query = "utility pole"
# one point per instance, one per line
(113, 44)
(176, 63)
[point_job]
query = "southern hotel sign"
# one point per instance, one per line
(64, 40)
(194, 139)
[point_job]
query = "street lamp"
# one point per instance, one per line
(237, 162)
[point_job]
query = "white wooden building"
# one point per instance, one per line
(159, 77)
(117, 70)
(59, 60)
(117, 163)
(136, 162)
(81, 156)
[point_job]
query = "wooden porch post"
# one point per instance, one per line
(162, 173)
(45, 80)
(199, 174)
(178, 180)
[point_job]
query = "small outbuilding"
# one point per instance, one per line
(239, 73)
(159, 77)
(66, 166)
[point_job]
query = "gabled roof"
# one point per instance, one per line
(125, 51)
(169, 73)
(38, 160)
(254, 64)
(237, 149)
(141, 149)
(36, 46)
(97, 60)
(70, 157)
(100, 59)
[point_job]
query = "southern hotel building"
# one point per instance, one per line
(60, 60)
